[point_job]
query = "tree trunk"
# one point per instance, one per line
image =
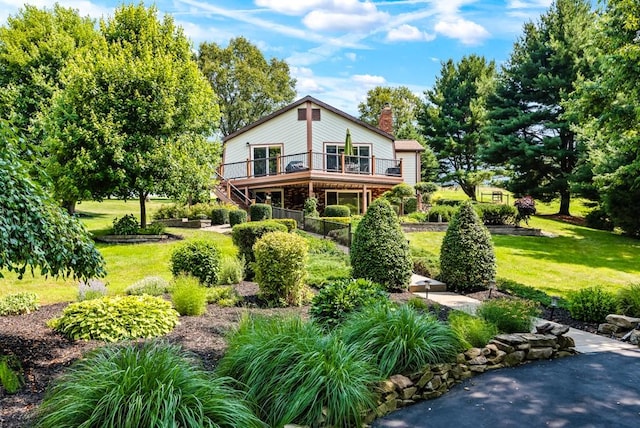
(469, 190)
(565, 199)
(143, 209)
(70, 206)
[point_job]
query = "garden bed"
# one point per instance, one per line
(181, 222)
(494, 229)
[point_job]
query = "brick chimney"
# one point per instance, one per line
(385, 123)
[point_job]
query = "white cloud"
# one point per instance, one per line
(351, 56)
(408, 33)
(531, 4)
(289, 7)
(84, 7)
(362, 19)
(468, 32)
(369, 80)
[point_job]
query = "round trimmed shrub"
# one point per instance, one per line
(116, 318)
(148, 385)
(340, 298)
(380, 251)
(237, 217)
(200, 259)
(281, 267)
(591, 304)
(220, 215)
(400, 340)
(259, 212)
(245, 236)
(467, 259)
(188, 296)
(336, 211)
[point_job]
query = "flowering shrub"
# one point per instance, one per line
(526, 207)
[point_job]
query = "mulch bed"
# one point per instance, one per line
(45, 354)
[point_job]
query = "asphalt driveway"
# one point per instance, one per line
(588, 390)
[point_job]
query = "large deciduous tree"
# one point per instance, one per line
(606, 108)
(454, 119)
(126, 102)
(405, 106)
(34, 231)
(248, 85)
(531, 135)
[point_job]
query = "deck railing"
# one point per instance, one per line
(325, 162)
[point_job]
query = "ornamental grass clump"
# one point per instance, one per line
(149, 385)
(509, 315)
(400, 340)
(380, 251)
(280, 267)
(629, 300)
(467, 259)
(295, 374)
(116, 318)
(188, 296)
(473, 332)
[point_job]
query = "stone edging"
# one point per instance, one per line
(505, 350)
(130, 239)
(496, 230)
(189, 224)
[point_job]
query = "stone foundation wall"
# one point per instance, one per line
(505, 350)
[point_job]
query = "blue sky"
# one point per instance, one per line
(339, 49)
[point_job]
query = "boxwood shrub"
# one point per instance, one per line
(280, 267)
(116, 318)
(496, 214)
(339, 298)
(220, 215)
(336, 211)
(237, 217)
(380, 251)
(153, 384)
(245, 236)
(199, 258)
(290, 223)
(259, 212)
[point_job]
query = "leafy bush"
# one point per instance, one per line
(91, 289)
(448, 202)
(199, 211)
(336, 211)
(298, 375)
(598, 219)
(338, 299)
(418, 217)
(188, 296)
(400, 340)
(151, 285)
(220, 215)
(426, 189)
(116, 318)
(198, 258)
(245, 236)
(10, 378)
(509, 315)
(280, 267)
(260, 212)
(223, 296)
(237, 217)
(167, 211)
(526, 207)
(127, 225)
(629, 300)
(290, 223)
(410, 205)
(311, 207)
(473, 332)
(148, 385)
(467, 259)
(591, 304)
(443, 213)
(18, 304)
(231, 271)
(496, 214)
(380, 251)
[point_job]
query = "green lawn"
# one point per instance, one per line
(577, 257)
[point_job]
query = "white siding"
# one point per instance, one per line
(410, 167)
(284, 129)
(332, 128)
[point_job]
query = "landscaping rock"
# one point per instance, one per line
(540, 340)
(539, 353)
(627, 323)
(514, 358)
(425, 379)
(477, 361)
(386, 386)
(502, 346)
(553, 328)
(606, 328)
(473, 353)
(634, 339)
(401, 382)
(511, 339)
(566, 342)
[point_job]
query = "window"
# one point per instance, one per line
(265, 160)
(351, 199)
(359, 162)
(315, 114)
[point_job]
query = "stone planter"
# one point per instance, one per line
(182, 222)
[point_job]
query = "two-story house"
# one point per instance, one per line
(299, 151)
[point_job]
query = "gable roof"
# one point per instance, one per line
(300, 102)
(408, 146)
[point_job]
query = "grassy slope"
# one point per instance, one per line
(578, 257)
(125, 263)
